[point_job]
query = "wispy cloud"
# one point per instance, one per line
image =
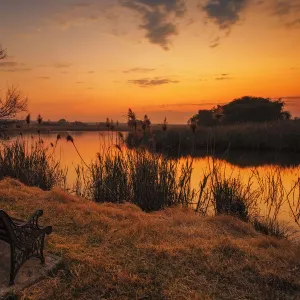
(138, 70)
(156, 16)
(62, 65)
(223, 76)
(215, 42)
(287, 10)
(151, 82)
(44, 77)
(12, 66)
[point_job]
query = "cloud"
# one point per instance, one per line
(138, 70)
(215, 42)
(288, 11)
(16, 70)
(44, 77)
(293, 23)
(62, 65)
(285, 7)
(224, 76)
(150, 82)
(77, 14)
(225, 13)
(11, 66)
(156, 15)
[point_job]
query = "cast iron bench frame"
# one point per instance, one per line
(26, 240)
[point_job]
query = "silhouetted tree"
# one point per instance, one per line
(252, 109)
(2, 53)
(204, 117)
(286, 115)
(241, 110)
(14, 102)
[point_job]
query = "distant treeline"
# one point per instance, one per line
(247, 123)
(243, 110)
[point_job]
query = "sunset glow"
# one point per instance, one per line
(88, 60)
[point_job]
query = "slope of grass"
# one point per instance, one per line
(116, 251)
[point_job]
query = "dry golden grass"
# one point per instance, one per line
(119, 252)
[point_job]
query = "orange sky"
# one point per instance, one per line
(88, 60)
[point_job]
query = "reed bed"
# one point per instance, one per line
(153, 182)
(32, 163)
(150, 181)
(270, 136)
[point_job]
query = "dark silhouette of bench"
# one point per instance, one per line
(26, 240)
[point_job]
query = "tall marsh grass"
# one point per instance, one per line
(150, 181)
(272, 136)
(31, 163)
(153, 181)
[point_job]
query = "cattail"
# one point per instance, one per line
(52, 145)
(69, 138)
(107, 123)
(58, 137)
(39, 119)
(165, 125)
(27, 119)
(112, 125)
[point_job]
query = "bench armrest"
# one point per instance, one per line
(21, 232)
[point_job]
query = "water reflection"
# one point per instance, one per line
(232, 163)
(244, 159)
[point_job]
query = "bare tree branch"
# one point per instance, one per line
(13, 103)
(3, 53)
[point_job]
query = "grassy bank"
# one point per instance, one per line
(119, 252)
(276, 136)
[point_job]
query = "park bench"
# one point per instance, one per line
(26, 240)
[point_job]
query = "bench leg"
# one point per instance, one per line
(38, 248)
(42, 249)
(17, 259)
(12, 265)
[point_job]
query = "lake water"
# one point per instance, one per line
(235, 164)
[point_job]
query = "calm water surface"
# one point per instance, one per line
(241, 164)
